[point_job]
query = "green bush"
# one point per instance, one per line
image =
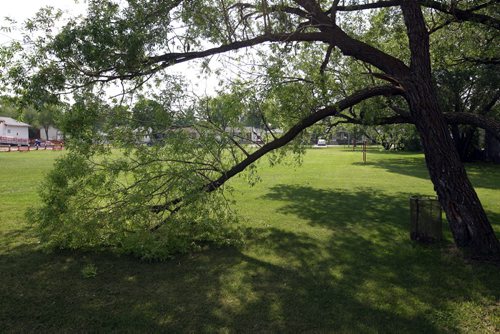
(89, 205)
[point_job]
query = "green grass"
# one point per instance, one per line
(327, 251)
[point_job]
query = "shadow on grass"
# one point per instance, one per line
(415, 167)
(409, 166)
(355, 272)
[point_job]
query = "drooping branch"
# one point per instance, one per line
(372, 5)
(329, 33)
(461, 15)
(483, 5)
(480, 120)
(175, 58)
(155, 64)
(486, 123)
(481, 61)
(303, 124)
(452, 118)
(488, 106)
(275, 8)
(327, 59)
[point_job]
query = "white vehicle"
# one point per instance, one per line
(321, 142)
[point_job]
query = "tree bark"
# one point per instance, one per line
(465, 214)
(467, 219)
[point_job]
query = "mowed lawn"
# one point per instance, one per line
(327, 251)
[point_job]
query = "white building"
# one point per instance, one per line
(54, 134)
(253, 135)
(13, 132)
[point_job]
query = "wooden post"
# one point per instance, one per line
(364, 151)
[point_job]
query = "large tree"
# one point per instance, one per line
(137, 41)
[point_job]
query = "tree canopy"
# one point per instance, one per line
(282, 65)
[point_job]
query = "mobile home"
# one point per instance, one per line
(13, 132)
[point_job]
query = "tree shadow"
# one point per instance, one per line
(14, 239)
(341, 210)
(477, 172)
(370, 244)
(409, 166)
(217, 291)
(354, 272)
(416, 167)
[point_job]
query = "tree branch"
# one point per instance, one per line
(464, 15)
(373, 5)
(154, 64)
(452, 118)
(327, 59)
(484, 122)
(460, 15)
(481, 61)
(306, 122)
(275, 8)
(169, 59)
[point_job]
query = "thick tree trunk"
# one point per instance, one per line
(468, 221)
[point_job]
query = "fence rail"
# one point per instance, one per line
(9, 148)
(13, 141)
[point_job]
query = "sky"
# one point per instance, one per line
(20, 10)
(26, 8)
